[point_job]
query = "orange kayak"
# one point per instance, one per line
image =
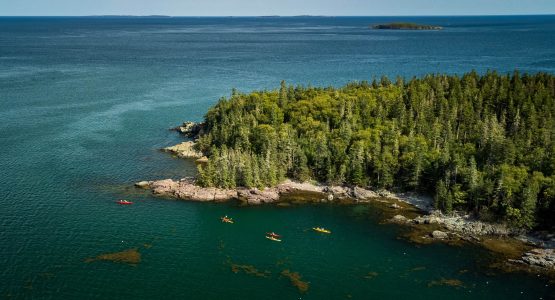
(227, 220)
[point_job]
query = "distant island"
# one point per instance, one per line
(128, 16)
(406, 26)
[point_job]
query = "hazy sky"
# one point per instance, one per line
(274, 7)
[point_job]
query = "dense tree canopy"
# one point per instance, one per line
(481, 143)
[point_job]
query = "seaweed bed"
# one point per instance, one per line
(296, 280)
(249, 269)
(130, 256)
(446, 282)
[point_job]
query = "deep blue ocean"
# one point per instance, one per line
(85, 104)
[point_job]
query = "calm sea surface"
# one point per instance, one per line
(85, 104)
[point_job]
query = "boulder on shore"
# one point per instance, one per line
(185, 150)
(399, 219)
(256, 196)
(395, 206)
(202, 160)
(363, 194)
(190, 129)
(440, 235)
(463, 224)
(345, 192)
(543, 258)
(143, 184)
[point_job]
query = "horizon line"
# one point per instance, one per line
(271, 16)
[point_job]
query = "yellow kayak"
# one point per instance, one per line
(273, 238)
(320, 229)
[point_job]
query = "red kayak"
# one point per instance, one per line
(273, 234)
(124, 202)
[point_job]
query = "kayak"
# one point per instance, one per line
(227, 220)
(124, 202)
(273, 234)
(322, 230)
(273, 238)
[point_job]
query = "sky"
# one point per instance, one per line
(274, 7)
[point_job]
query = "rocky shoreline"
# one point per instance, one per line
(186, 189)
(537, 254)
(520, 249)
(187, 149)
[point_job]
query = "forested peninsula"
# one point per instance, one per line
(478, 143)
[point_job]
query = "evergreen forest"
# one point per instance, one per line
(479, 143)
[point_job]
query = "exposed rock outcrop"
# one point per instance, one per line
(187, 189)
(143, 184)
(463, 224)
(185, 150)
(395, 206)
(399, 219)
(190, 129)
(541, 258)
(256, 196)
(440, 235)
(343, 192)
(202, 160)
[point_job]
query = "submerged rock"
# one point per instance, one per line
(248, 269)
(296, 280)
(130, 256)
(446, 282)
(371, 275)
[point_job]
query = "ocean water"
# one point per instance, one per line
(85, 104)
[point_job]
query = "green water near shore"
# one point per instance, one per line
(184, 255)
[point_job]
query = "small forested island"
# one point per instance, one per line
(406, 26)
(478, 143)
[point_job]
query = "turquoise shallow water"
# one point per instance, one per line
(85, 104)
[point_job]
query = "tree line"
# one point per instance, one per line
(483, 143)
